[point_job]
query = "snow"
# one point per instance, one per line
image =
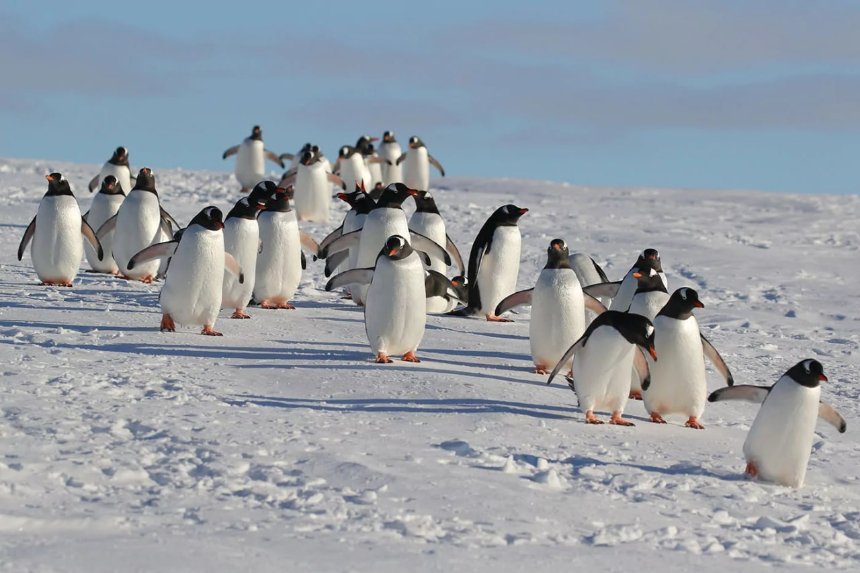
(282, 447)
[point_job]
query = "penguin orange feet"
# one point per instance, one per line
(494, 318)
(265, 303)
(239, 313)
(346, 296)
(286, 305)
(382, 358)
(410, 357)
(617, 420)
(635, 395)
(167, 324)
(657, 418)
(751, 470)
(208, 330)
(541, 369)
(590, 418)
(694, 423)
(147, 280)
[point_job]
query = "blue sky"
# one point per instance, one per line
(676, 93)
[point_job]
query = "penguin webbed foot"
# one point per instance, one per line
(590, 418)
(657, 418)
(383, 358)
(240, 314)
(617, 420)
(541, 369)
(494, 318)
(167, 324)
(694, 423)
(410, 357)
(208, 330)
(751, 470)
(147, 280)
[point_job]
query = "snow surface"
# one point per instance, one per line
(282, 447)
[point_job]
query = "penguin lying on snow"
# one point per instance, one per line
(55, 232)
(251, 157)
(779, 442)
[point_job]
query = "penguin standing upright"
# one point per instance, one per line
(558, 308)
(624, 290)
(372, 159)
(417, 161)
(494, 263)
(390, 150)
(312, 188)
(352, 168)
(427, 221)
(651, 294)
(118, 167)
(678, 383)
(105, 205)
(779, 442)
(603, 358)
(191, 295)
(251, 157)
(242, 241)
(360, 205)
(587, 270)
(139, 223)
(56, 234)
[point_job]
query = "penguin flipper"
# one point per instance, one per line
(336, 180)
(25, 240)
(230, 151)
(331, 237)
(287, 156)
(376, 159)
(609, 290)
(309, 244)
(429, 246)
(600, 272)
(156, 251)
(88, 232)
(455, 254)
(516, 299)
(400, 159)
(717, 360)
(335, 260)
(827, 413)
(270, 155)
(106, 228)
(165, 216)
(568, 355)
(640, 365)
(287, 179)
(350, 277)
(437, 284)
(593, 304)
(348, 241)
(94, 182)
(232, 266)
(435, 163)
(744, 392)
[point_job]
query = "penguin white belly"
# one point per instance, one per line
(601, 371)
(391, 173)
(122, 174)
(583, 266)
(138, 223)
(394, 313)
(648, 304)
(497, 275)
(312, 193)
(279, 264)
(378, 226)
(242, 240)
(432, 226)
(625, 293)
(103, 207)
(780, 440)
(57, 243)
(416, 170)
(558, 315)
(353, 171)
(678, 384)
(250, 163)
(375, 170)
(192, 289)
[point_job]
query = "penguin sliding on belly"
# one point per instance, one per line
(118, 167)
(56, 234)
(251, 157)
(105, 205)
(779, 443)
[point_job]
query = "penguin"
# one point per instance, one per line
(587, 270)
(118, 167)
(621, 292)
(294, 158)
(360, 205)
(651, 294)
(394, 315)
(390, 150)
(779, 443)
(558, 308)
(417, 161)
(105, 205)
(603, 358)
(494, 263)
(139, 223)
(251, 157)
(427, 221)
(280, 261)
(242, 241)
(312, 188)
(678, 384)
(191, 294)
(55, 232)
(351, 167)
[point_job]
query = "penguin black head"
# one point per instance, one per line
(346, 152)
(58, 185)
(634, 328)
(557, 255)
(256, 133)
(350, 198)
(119, 157)
(145, 180)
(317, 152)
(280, 201)
(650, 257)
(209, 218)
(415, 142)
(110, 186)
(364, 144)
(424, 203)
(394, 195)
(508, 215)
(809, 373)
(388, 137)
(397, 248)
(681, 304)
(262, 191)
(648, 279)
(308, 157)
(246, 209)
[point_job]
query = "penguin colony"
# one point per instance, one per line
(613, 341)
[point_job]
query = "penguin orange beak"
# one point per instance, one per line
(652, 352)
(637, 275)
(412, 192)
(341, 196)
(392, 252)
(698, 304)
(822, 377)
(219, 224)
(557, 247)
(523, 211)
(49, 177)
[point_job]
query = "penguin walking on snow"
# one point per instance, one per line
(312, 184)
(587, 270)
(416, 164)
(118, 167)
(603, 358)
(242, 241)
(352, 168)
(779, 442)
(678, 384)
(251, 157)
(494, 263)
(558, 308)
(105, 205)
(390, 150)
(56, 234)
(360, 205)
(191, 295)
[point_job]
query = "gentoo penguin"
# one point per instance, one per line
(678, 384)
(139, 223)
(650, 295)
(587, 270)
(779, 442)
(117, 166)
(390, 150)
(558, 308)
(360, 205)
(191, 295)
(251, 157)
(621, 292)
(242, 241)
(417, 161)
(313, 189)
(494, 263)
(602, 361)
(56, 234)
(394, 315)
(105, 205)
(351, 167)
(427, 221)
(294, 158)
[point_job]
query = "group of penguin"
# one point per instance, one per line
(646, 345)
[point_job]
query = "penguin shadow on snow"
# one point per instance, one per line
(82, 329)
(503, 336)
